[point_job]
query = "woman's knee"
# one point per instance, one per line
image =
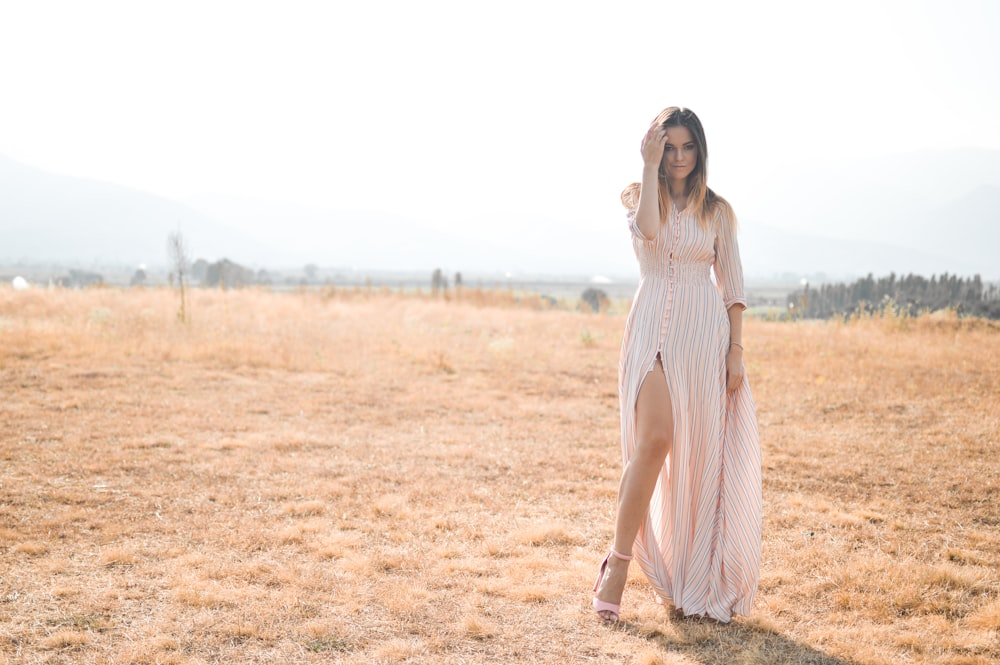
(654, 445)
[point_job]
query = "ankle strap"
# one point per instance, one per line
(619, 555)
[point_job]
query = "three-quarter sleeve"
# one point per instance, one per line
(633, 226)
(728, 267)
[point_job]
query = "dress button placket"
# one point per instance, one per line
(671, 274)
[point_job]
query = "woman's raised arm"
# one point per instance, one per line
(648, 214)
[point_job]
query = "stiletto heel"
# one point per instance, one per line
(600, 605)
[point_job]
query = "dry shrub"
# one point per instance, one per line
(398, 650)
(118, 556)
(196, 593)
(31, 549)
(242, 630)
(986, 617)
(290, 535)
(66, 639)
(478, 628)
(390, 506)
(549, 535)
(305, 508)
(964, 557)
(961, 579)
(649, 657)
(64, 591)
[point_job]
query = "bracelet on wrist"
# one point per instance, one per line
(732, 344)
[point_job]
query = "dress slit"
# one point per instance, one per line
(670, 399)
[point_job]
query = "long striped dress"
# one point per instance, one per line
(700, 542)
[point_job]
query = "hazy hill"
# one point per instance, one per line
(944, 204)
(968, 226)
(365, 239)
(54, 218)
(925, 213)
(768, 251)
(370, 239)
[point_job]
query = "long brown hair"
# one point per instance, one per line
(700, 197)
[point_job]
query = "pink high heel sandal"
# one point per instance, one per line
(600, 605)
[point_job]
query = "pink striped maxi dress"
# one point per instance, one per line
(701, 540)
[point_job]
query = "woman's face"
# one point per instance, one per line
(680, 153)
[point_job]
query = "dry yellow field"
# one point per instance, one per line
(372, 478)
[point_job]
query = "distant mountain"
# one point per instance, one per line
(768, 251)
(331, 237)
(53, 218)
(865, 221)
(943, 204)
(49, 218)
(370, 239)
(967, 227)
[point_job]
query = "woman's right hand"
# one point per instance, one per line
(647, 214)
(653, 144)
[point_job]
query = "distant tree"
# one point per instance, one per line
(227, 274)
(907, 295)
(596, 299)
(438, 281)
(139, 278)
(180, 259)
(198, 270)
(311, 270)
(80, 279)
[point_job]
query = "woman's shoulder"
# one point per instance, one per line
(722, 212)
(630, 197)
(720, 206)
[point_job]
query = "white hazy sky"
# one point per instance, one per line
(463, 114)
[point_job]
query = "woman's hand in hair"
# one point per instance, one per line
(647, 214)
(652, 146)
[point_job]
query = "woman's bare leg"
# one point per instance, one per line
(654, 433)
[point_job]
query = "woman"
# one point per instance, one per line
(689, 504)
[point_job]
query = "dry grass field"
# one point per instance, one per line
(370, 478)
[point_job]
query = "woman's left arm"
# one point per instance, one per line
(729, 274)
(734, 358)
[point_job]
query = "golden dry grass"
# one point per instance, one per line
(370, 478)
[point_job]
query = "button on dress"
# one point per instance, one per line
(701, 540)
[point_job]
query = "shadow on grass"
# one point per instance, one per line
(709, 642)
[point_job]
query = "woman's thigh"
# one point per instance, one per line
(654, 420)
